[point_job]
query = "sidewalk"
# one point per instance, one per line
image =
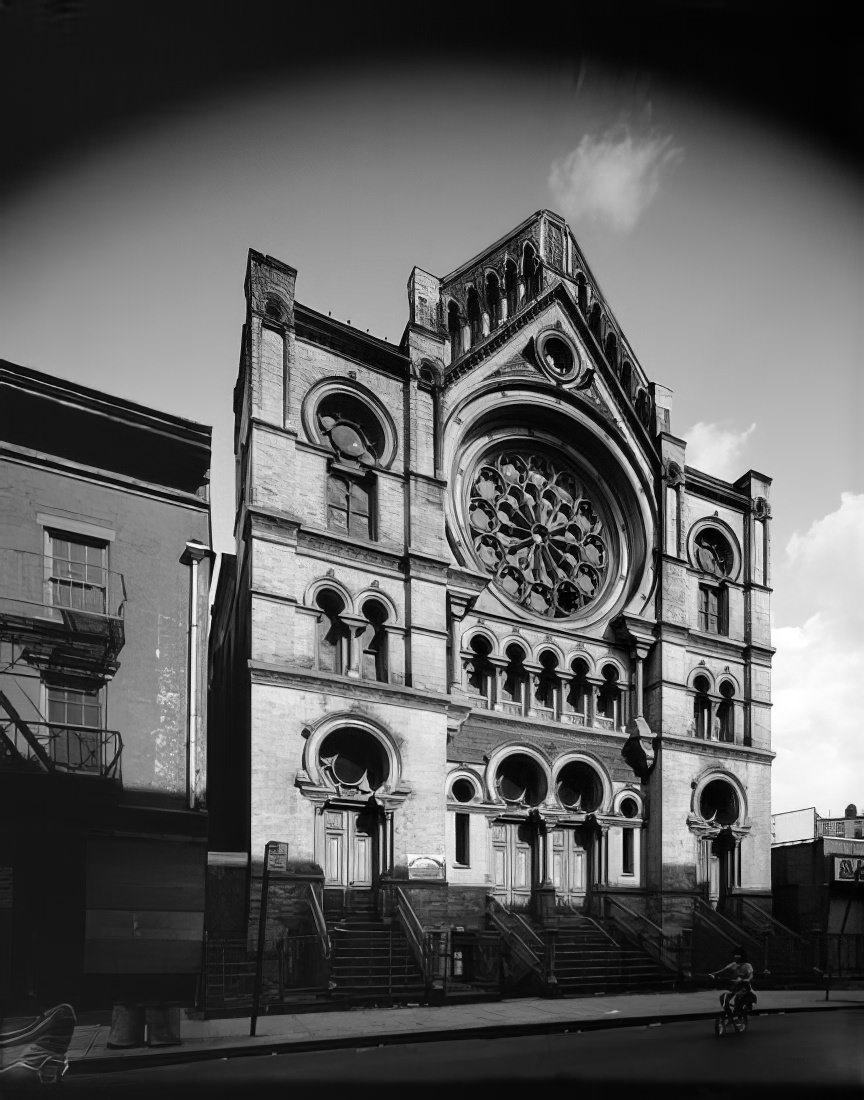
(205, 1039)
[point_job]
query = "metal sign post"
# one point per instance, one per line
(275, 859)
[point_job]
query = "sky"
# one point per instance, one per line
(726, 236)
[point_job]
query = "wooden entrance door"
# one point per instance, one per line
(570, 867)
(512, 863)
(350, 848)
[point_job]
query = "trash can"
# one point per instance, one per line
(127, 1027)
(163, 1026)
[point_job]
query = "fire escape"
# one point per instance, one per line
(61, 622)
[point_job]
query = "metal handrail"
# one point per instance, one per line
(529, 954)
(414, 930)
(732, 932)
(666, 943)
(771, 925)
(320, 921)
(532, 933)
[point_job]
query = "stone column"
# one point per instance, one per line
(499, 664)
(356, 626)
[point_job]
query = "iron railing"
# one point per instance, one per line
(314, 903)
(671, 950)
(39, 581)
(84, 750)
(292, 966)
(520, 939)
(415, 933)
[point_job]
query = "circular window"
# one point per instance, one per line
(713, 553)
(579, 787)
(534, 526)
(557, 356)
(354, 758)
(629, 807)
(463, 790)
(719, 802)
(520, 778)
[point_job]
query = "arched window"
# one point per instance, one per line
(454, 329)
(274, 310)
(611, 350)
(332, 632)
(515, 677)
(582, 293)
(474, 319)
(701, 708)
(530, 271)
(719, 802)
(627, 379)
(480, 670)
(493, 299)
(511, 287)
(546, 692)
(609, 698)
(519, 778)
(373, 643)
(579, 787)
(725, 721)
(579, 689)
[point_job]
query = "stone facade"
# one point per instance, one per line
(485, 628)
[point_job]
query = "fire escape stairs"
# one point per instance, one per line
(39, 754)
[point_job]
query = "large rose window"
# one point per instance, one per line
(535, 529)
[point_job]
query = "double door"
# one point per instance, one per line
(351, 840)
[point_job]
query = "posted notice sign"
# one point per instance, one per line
(425, 867)
(277, 856)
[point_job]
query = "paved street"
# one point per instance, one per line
(808, 1054)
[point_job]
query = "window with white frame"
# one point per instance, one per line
(77, 571)
(75, 719)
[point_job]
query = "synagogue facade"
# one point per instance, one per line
(486, 635)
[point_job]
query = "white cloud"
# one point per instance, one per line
(611, 178)
(819, 667)
(717, 451)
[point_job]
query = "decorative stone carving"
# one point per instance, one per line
(761, 508)
(673, 473)
(535, 529)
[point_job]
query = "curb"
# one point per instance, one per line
(90, 1066)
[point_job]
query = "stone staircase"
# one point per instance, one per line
(372, 961)
(588, 961)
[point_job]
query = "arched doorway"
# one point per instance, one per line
(719, 805)
(355, 843)
(575, 846)
(521, 783)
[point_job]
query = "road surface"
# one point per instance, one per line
(814, 1054)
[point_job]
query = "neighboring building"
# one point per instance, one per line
(817, 873)
(485, 632)
(104, 579)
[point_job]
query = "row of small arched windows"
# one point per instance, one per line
(501, 298)
(713, 719)
(570, 694)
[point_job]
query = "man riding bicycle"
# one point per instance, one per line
(740, 974)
